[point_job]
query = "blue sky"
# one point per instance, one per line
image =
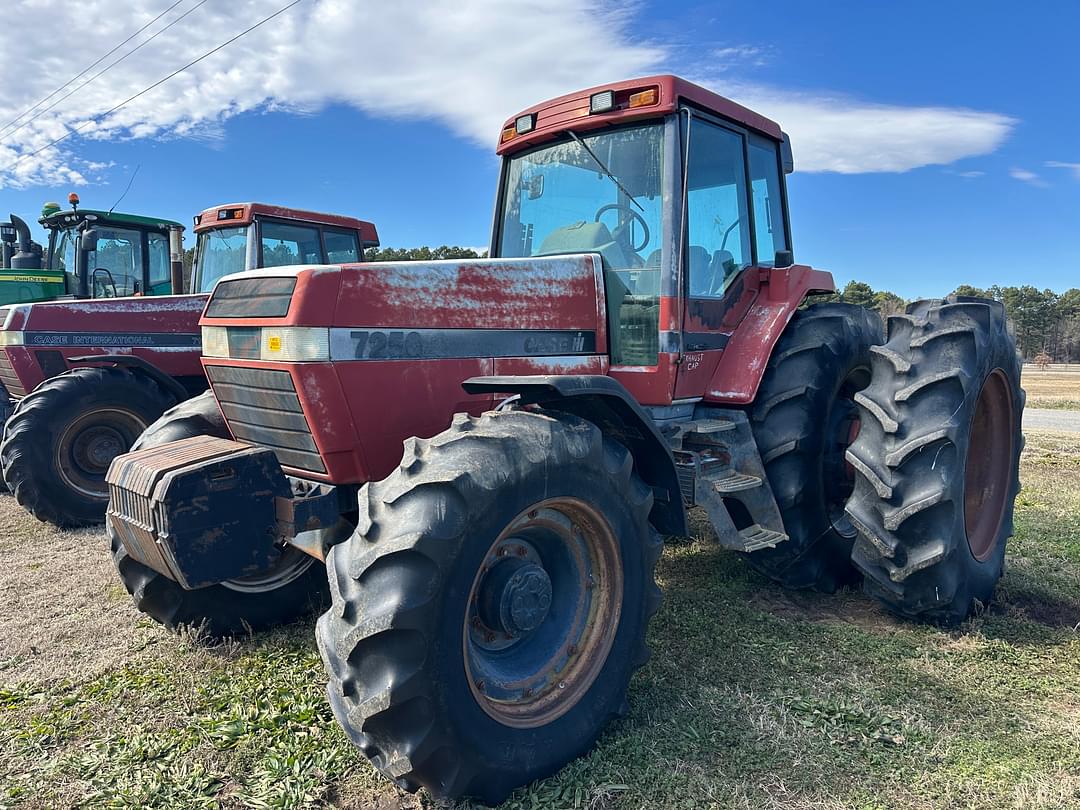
(397, 122)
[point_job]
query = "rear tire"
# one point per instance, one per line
(299, 586)
(61, 438)
(938, 460)
(802, 422)
(430, 693)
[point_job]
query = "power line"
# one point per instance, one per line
(88, 68)
(146, 90)
(105, 69)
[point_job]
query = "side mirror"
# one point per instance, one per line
(88, 240)
(536, 186)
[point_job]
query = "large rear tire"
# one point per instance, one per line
(296, 587)
(62, 436)
(803, 420)
(938, 460)
(491, 607)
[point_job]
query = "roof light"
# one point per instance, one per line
(230, 213)
(198, 219)
(73, 198)
(603, 101)
(525, 123)
(508, 134)
(645, 98)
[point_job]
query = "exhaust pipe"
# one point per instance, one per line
(28, 256)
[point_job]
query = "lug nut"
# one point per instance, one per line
(521, 552)
(479, 686)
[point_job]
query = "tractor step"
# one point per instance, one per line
(735, 482)
(758, 537)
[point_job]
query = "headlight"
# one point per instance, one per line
(215, 341)
(12, 339)
(294, 343)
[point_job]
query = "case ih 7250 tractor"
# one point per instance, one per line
(638, 346)
(88, 376)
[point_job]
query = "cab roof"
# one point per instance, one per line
(114, 218)
(233, 214)
(572, 111)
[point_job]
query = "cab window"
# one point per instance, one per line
(160, 266)
(284, 244)
(117, 264)
(769, 235)
(718, 223)
(342, 247)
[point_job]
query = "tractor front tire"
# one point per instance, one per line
(62, 436)
(297, 587)
(492, 604)
(938, 460)
(803, 419)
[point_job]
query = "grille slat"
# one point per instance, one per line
(9, 378)
(261, 407)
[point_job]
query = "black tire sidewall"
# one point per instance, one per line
(544, 748)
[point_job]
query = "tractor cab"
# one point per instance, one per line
(238, 237)
(680, 192)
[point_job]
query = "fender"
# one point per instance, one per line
(747, 353)
(608, 405)
(137, 363)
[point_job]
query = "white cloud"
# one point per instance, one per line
(1025, 176)
(968, 175)
(839, 134)
(737, 56)
(464, 64)
(1057, 164)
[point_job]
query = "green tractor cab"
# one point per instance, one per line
(132, 255)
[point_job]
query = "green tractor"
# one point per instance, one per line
(135, 255)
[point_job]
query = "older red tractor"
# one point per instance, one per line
(641, 343)
(87, 376)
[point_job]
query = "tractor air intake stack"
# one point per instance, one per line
(7, 240)
(28, 256)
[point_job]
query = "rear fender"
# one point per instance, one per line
(608, 405)
(137, 365)
(747, 353)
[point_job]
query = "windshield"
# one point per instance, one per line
(220, 252)
(62, 249)
(599, 193)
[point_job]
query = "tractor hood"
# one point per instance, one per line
(115, 322)
(447, 308)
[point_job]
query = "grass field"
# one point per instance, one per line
(1052, 388)
(754, 697)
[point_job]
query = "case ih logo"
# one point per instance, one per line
(432, 344)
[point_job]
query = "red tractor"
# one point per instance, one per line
(88, 376)
(641, 343)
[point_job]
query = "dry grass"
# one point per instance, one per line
(754, 698)
(1052, 389)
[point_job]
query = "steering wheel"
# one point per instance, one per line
(634, 217)
(105, 285)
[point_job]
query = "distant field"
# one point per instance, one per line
(1057, 387)
(754, 697)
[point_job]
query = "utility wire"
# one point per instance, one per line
(88, 68)
(105, 69)
(146, 90)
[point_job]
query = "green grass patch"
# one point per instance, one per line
(754, 697)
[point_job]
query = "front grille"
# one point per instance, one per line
(261, 407)
(252, 298)
(9, 378)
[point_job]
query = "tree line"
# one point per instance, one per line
(1046, 322)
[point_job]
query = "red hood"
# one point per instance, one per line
(146, 314)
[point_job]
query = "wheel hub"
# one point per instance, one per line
(525, 599)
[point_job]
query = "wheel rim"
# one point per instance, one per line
(841, 431)
(988, 467)
(291, 565)
(543, 612)
(89, 444)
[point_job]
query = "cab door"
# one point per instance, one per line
(734, 226)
